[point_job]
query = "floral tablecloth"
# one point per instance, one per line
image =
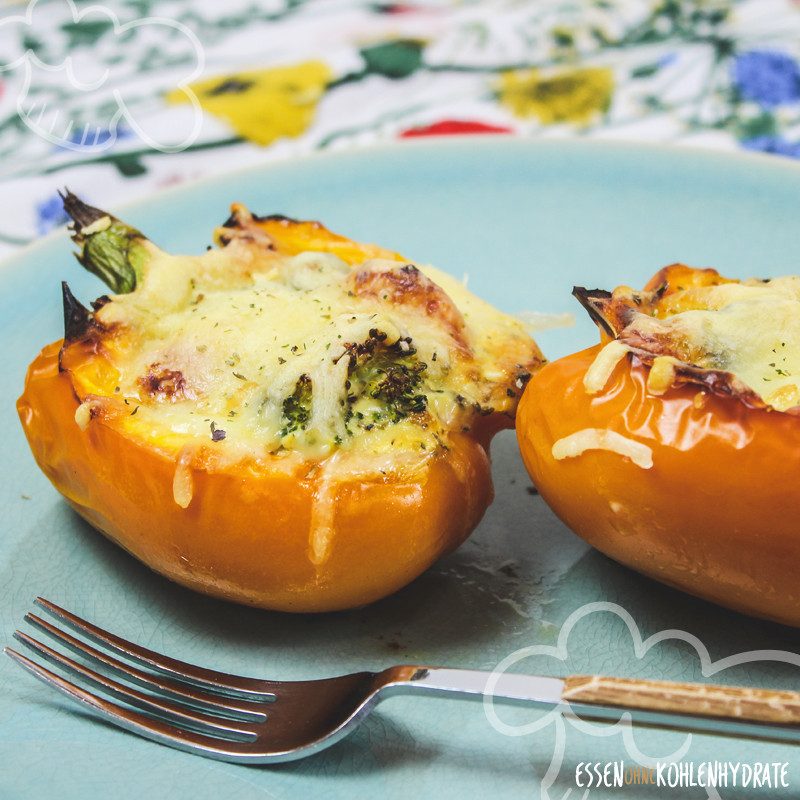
(118, 99)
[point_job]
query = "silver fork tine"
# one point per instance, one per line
(136, 722)
(150, 704)
(180, 670)
(220, 704)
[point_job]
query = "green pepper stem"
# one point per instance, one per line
(115, 252)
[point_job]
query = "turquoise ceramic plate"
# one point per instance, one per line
(526, 221)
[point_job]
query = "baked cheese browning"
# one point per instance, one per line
(262, 347)
(740, 339)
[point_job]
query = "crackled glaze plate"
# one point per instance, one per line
(525, 221)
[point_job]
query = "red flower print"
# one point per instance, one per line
(448, 127)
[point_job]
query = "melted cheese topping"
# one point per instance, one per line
(262, 353)
(750, 330)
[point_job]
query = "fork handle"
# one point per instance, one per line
(753, 713)
(730, 702)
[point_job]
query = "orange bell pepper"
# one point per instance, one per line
(715, 514)
(245, 535)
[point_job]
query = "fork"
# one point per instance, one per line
(250, 721)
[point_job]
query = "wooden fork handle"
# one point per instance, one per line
(758, 705)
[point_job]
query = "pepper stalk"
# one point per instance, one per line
(117, 253)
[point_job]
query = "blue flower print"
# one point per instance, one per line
(769, 78)
(50, 214)
(773, 144)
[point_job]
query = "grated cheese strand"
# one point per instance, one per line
(662, 374)
(182, 483)
(597, 375)
(595, 439)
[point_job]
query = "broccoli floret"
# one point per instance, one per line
(398, 388)
(297, 407)
(390, 374)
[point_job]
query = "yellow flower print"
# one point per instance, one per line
(265, 104)
(573, 96)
